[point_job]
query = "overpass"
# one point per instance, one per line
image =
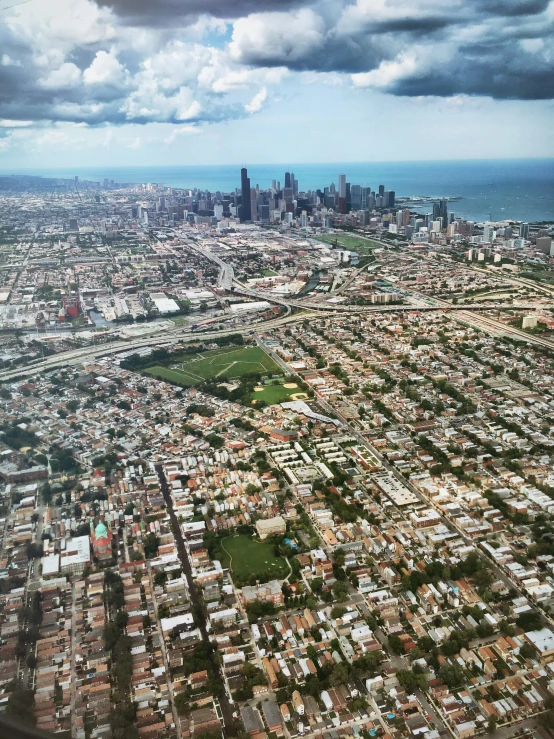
(163, 339)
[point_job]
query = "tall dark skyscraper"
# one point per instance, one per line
(443, 211)
(246, 213)
(287, 179)
(381, 189)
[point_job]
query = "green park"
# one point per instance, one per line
(351, 242)
(226, 363)
(249, 559)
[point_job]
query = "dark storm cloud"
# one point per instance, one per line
(497, 48)
(475, 80)
(168, 13)
(515, 7)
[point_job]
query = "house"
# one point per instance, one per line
(543, 641)
(283, 434)
(272, 716)
(269, 592)
(252, 720)
(271, 526)
(298, 703)
(204, 720)
(198, 679)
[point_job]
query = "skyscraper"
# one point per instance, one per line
(356, 197)
(444, 211)
(246, 214)
(342, 193)
(287, 179)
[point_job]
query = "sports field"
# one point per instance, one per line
(247, 557)
(227, 363)
(272, 394)
(350, 242)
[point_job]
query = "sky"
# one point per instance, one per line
(191, 82)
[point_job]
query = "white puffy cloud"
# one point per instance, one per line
(66, 76)
(256, 104)
(180, 131)
(105, 69)
(14, 124)
(387, 73)
(287, 37)
(104, 62)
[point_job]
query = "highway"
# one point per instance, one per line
(227, 280)
(164, 338)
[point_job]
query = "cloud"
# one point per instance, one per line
(416, 47)
(14, 124)
(181, 131)
(105, 69)
(277, 39)
(168, 13)
(68, 75)
(256, 104)
(123, 62)
(387, 73)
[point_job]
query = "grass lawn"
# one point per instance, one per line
(350, 242)
(248, 557)
(541, 275)
(277, 394)
(225, 363)
(269, 273)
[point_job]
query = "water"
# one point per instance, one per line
(518, 189)
(99, 319)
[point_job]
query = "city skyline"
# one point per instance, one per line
(105, 82)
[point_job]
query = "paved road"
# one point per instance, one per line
(226, 706)
(73, 646)
(164, 338)
(166, 660)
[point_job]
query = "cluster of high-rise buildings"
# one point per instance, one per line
(256, 204)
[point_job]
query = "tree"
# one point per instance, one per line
(483, 578)
(340, 591)
(491, 724)
(339, 674)
(485, 629)
(411, 680)
(31, 661)
(452, 675)
(160, 578)
(426, 644)
(529, 621)
(338, 557)
(527, 651)
(46, 492)
(34, 550)
(20, 705)
(316, 585)
(396, 644)
(338, 611)
(151, 543)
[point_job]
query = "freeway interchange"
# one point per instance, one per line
(298, 310)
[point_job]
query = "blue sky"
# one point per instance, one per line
(127, 82)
